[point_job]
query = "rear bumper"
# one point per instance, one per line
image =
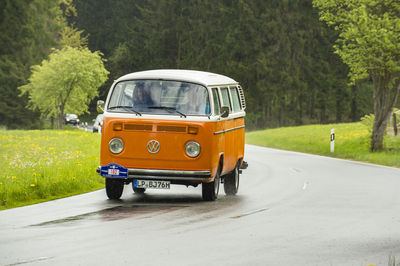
(156, 174)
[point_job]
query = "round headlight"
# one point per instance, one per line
(192, 149)
(116, 145)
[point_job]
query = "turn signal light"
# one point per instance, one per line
(193, 130)
(117, 126)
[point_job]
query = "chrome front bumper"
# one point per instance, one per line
(155, 174)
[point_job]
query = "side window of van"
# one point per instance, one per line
(225, 98)
(235, 99)
(217, 108)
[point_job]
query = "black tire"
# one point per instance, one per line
(210, 190)
(139, 190)
(231, 181)
(114, 188)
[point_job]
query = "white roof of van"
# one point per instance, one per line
(193, 76)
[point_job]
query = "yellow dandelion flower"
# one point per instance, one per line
(33, 185)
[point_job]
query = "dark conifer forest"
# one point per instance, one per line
(279, 51)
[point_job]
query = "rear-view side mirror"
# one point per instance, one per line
(100, 106)
(224, 111)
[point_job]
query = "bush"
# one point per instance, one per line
(368, 122)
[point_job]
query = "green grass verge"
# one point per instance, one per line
(352, 142)
(37, 166)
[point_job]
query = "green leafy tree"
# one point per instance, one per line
(72, 37)
(65, 83)
(369, 43)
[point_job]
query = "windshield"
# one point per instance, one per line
(159, 97)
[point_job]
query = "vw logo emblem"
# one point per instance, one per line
(153, 146)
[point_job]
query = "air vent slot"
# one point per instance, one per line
(171, 129)
(138, 127)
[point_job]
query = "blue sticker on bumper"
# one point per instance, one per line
(114, 170)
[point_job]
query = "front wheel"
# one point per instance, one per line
(231, 182)
(210, 190)
(114, 188)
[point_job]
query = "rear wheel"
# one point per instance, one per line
(114, 188)
(231, 182)
(210, 190)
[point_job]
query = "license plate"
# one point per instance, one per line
(113, 171)
(151, 184)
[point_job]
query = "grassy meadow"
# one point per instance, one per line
(352, 141)
(40, 165)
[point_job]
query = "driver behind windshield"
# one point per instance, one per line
(142, 99)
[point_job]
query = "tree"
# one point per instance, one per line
(65, 83)
(279, 51)
(369, 43)
(27, 31)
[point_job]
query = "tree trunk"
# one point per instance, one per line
(281, 116)
(354, 104)
(323, 119)
(60, 117)
(378, 132)
(385, 99)
(395, 124)
(300, 114)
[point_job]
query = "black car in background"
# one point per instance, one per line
(71, 119)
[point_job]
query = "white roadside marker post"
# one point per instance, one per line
(332, 140)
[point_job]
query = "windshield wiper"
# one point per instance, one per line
(126, 107)
(168, 109)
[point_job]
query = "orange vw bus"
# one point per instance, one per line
(164, 127)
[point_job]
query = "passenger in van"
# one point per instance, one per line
(142, 99)
(196, 104)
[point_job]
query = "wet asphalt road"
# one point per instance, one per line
(292, 209)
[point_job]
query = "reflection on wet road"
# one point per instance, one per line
(292, 209)
(149, 206)
(115, 213)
